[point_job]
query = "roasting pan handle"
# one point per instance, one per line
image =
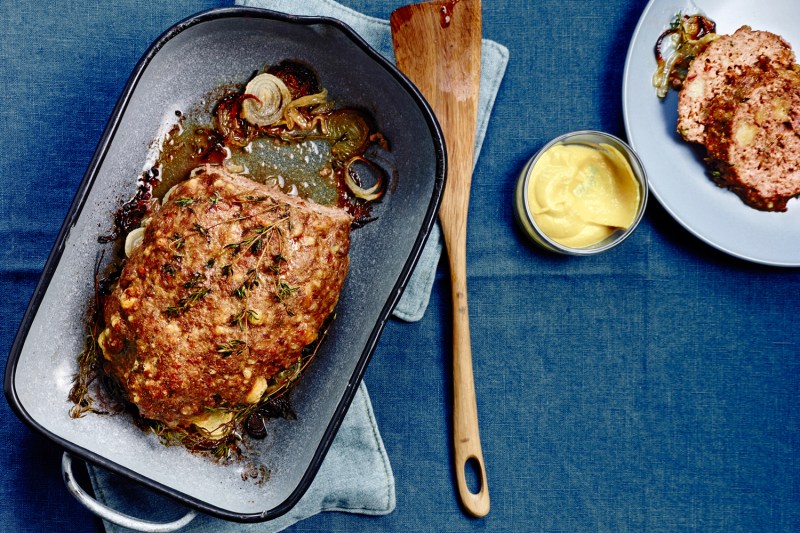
(107, 513)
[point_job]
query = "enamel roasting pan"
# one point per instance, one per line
(179, 70)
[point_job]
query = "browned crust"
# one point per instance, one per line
(172, 327)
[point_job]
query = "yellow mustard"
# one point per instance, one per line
(579, 194)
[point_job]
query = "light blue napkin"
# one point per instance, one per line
(355, 476)
(377, 32)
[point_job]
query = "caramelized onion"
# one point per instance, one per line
(299, 79)
(134, 240)
(270, 98)
(235, 131)
(677, 46)
(352, 182)
(294, 117)
(348, 132)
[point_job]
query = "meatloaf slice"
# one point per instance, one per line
(232, 280)
(722, 61)
(754, 141)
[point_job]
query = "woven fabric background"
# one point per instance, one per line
(652, 388)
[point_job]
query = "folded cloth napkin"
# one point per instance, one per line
(494, 58)
(355, 476)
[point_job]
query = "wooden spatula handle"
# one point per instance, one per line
(438, 45)
(466, 435)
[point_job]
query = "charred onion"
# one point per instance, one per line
(299, 79)
(686, 37)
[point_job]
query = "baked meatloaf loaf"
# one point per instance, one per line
(232, 280)
(716, 68)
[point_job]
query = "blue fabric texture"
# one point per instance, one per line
(650, 388)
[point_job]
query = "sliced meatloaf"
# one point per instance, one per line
(722, 61)
(754, 138)
(232, 280)
(721, 108)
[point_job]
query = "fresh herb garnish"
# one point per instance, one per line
(237, 319)
(200, 229)
(284, 290)
(233, 347)
(240, 292)
(178, 241)
(193, 281)
(184, 202)
(184, 304)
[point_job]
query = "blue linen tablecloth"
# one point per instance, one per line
(653, 388)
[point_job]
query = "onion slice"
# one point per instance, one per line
(270, 98)
(292, 115)
(677, 46)
(348, 132)
(167, 194)
(133, 240)
(374, 192)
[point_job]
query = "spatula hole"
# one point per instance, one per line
(472, 475)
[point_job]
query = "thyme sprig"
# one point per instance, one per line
(89, 358)
(184, 201)
(242, 317)
(275, 267)
(255, 242)
(236, 319)
(193, 281)
(79, 394)
(200, 229)
(185, 303)
(232, 347)
(249, 199)
(284, 290)
(178, 241)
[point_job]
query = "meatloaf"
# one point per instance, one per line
(232, 280)
(716, 67)
(754, 138)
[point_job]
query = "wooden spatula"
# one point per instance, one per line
(438, 46)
